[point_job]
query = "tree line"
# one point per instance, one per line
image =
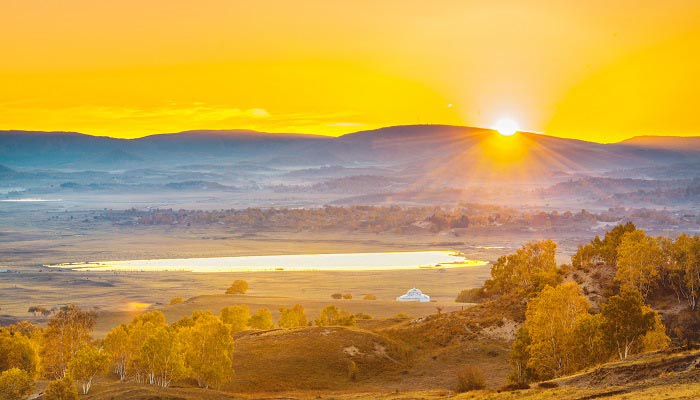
(147, 350)
(562, 332)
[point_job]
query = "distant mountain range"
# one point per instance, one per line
(413, 149)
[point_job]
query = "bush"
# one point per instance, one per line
(470, 378)
(332, 315)
(402, 316)
(474, 295)
(548, 385)
(362, 315)
(62, 389)
(15, 384)
(369, 297)
(176, 300)
(347, 296)
(337, 296)
(239, 286)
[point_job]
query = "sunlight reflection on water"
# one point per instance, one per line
(298, 262)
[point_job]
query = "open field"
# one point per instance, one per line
(119, 296)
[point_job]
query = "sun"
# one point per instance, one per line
(506, 127)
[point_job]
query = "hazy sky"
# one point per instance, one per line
(595, 70)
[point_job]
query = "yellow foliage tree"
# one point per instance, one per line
(161, 357)
(88, 363)
(526, 271)
(639, 260)
(61, 389)
(208, 351)
(15, 384)
(119, 349)
(67, 331)
(261, 319)
(293, 317)
(332, 315)
(236, 317)
(140, 329)
(550, 321)
(17, 351)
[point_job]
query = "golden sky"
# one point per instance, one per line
(588, 69)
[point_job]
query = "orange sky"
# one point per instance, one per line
(595, 70)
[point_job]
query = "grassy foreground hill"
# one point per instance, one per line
(662, 375)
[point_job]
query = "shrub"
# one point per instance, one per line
(15, 384)
(470, 378)
(548, 385)
(332, 315)
(239, 286)
(347, 296)
(369, 297)
(337, 296)
(362, 315)
(402, 316)
(474, 295)
(176, 300)
(62, 389)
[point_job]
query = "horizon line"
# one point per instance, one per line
(319, 135)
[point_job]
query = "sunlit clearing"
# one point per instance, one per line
(506, 127)
(136, 306)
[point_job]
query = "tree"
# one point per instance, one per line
(682, 267)
(520, 356)
(88, 363)
(208, 351)
(656, 338)
(602, 251)
(639, 259)
(292, 317)
(161, 357)
(66, 332)
(332, 315)
(625, 320)
(15, 384)
(550, 321)
(236, 317)
(118, 347)
(61, 389)
(526, 271)
(139, 330)
(261, 319)
(239, 286)
(589, 342)
(17, 351)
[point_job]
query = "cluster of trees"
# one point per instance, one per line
(649, 265)
(147, 350)
(363, 218)
(561, 336)
(561, 333)
(63, 351)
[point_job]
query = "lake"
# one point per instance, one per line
(297, 262)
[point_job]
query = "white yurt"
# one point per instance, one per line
(414, 295)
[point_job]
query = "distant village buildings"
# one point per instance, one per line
(414, 295)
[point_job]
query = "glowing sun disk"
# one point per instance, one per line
(506, 127)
